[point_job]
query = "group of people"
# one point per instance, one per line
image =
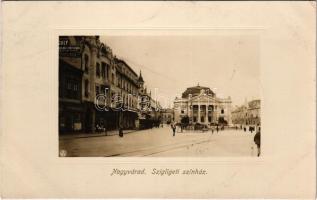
(256, 139)
(216, 128)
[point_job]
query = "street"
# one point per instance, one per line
(159, 142)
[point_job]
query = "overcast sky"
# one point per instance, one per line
(229, 65)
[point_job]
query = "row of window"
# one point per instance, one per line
(127, 100)
(123, 84)
(71, 90)
(202, 111)
(102, 71)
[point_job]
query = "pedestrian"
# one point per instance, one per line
(173, 126)
(212, 130)
(257, 141)
(120, 132)
(217, 128)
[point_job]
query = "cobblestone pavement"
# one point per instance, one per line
(159, 142)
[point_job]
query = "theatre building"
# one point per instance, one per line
(201, 105)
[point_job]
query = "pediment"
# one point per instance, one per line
(203, 98)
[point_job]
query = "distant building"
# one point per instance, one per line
(248, 114)
(254, 113)
(239, 115)
(167, 115)
(201, 105)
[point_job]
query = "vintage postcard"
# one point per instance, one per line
(158, 100)
(131, 105)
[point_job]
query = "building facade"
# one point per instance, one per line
(248, 114)
(97, 91)
(201, 105)
(167, 115)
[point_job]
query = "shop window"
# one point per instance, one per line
(202, 119)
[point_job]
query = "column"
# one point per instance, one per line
(198, 120)
(214, 117)
(206, 118)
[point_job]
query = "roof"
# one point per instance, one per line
(239, 109)
(254, 104)
(126, 64)
(196, 90)
(141, 78)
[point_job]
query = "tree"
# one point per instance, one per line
(185, 120)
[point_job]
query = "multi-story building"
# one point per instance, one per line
(239, 115)
(70, 86)
(254, 113)
(201, 105)
(96, 89)
(248, 114)
(127, 81)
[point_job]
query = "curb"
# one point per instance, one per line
(89, 136)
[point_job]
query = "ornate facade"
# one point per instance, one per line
(97, 90)
(201, 105)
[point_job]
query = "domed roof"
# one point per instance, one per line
(196, 90)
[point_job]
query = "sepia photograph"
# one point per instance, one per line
(190, 95)
(158, 100)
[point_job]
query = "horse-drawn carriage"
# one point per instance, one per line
(192, 127)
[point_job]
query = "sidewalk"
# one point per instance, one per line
(99, 134)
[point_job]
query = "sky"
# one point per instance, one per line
(228, 64)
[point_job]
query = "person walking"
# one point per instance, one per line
(173, 126)
(257, 141)
(120, 131)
